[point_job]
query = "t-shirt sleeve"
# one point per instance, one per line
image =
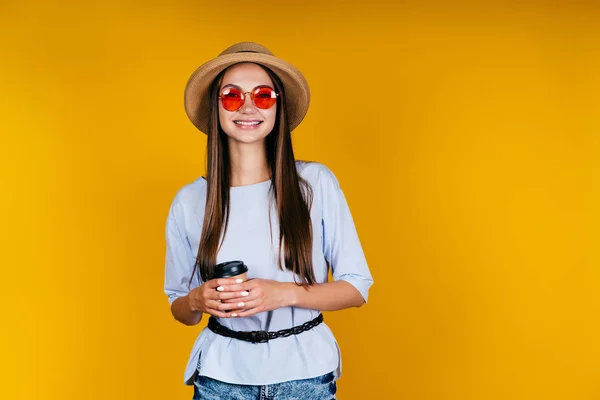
(180, 258)
(341, 245)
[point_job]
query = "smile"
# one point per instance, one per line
(247, 123)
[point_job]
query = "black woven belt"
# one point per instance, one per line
(261, 336)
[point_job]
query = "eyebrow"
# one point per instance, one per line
(238, 87)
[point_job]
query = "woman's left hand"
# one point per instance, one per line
(265, 295)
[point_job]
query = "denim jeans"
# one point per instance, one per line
(319, 388)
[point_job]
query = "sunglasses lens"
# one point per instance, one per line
(264, 97)
(231, 99)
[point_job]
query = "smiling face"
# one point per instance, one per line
(249, 124)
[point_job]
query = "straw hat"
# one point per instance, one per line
(196, 96)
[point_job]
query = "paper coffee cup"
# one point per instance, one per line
(231, 269)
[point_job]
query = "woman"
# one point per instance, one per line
(285, 219)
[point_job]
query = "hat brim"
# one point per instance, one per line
(196, 96)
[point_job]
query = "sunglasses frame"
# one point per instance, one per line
(251, 93)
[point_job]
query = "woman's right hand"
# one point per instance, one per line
(210, 296)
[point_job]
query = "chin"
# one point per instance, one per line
(247, 140)
(246, 136)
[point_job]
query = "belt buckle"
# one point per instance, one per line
(259, 336)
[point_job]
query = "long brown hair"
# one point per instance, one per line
(292, 194)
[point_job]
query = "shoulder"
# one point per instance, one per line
(317, 174)
(190, 196)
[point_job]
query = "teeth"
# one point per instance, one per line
(247, 123)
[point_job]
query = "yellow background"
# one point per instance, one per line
(465, 138)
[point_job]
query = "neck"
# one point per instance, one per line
(248, 163)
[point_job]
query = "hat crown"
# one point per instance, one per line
(246, 47)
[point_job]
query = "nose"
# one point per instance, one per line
(248, 106)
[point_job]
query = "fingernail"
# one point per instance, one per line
(220, 288)
(234, 315)
(238, 280)
(245, 293)
(241, 304)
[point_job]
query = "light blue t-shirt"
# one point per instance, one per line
(335, 240)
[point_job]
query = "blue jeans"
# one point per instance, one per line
(319, 388)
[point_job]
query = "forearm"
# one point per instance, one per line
(183, 313)
(330, 296)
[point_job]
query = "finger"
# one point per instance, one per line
(255, 293)
(251, 284)
(215, 305)
(229, 281)
(244, 299)
(227, 296)
(247, 305)
(239, 306)
(214, 283)
(230, 288)
(219, 295)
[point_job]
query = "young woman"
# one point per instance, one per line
(286, 220)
